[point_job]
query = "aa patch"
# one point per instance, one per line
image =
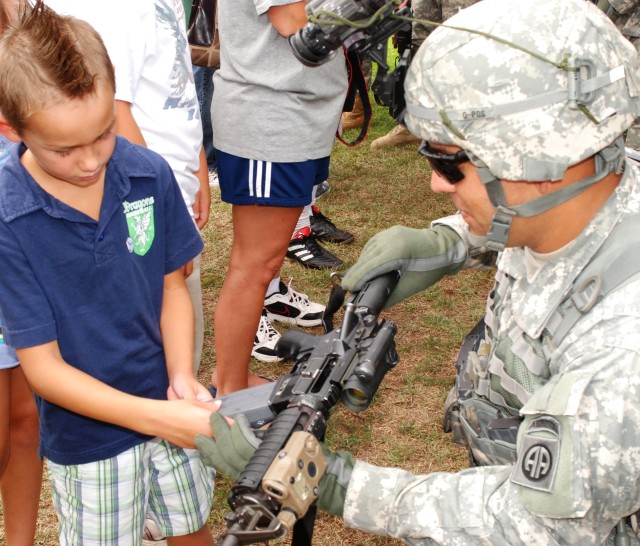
(538, 455)
(140, 222)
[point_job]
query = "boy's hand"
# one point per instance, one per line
(180, 421)
(186, 387)
(202, 204)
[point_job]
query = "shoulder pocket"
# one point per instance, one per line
(551, 471)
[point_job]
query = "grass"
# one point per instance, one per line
(371, 190)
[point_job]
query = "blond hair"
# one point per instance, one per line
(47, 59)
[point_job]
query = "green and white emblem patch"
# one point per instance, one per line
(140, 222)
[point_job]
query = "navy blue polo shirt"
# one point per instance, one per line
(95, 287)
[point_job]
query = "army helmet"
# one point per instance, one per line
(526, 87)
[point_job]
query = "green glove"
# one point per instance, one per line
(423, 257)
(231, 447)
(333, 485)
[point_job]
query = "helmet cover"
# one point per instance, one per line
(516, 107)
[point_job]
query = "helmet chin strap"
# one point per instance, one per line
(608, 160)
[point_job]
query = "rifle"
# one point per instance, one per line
(348, 363)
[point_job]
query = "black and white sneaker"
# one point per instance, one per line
(264, 344)
(305, 250)
(287, 305)
(324, 229)
(322, 188)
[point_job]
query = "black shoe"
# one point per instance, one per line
(325, 230)
(307, 251)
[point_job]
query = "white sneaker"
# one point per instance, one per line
(151, 535)
(265, 341)
(293, 307)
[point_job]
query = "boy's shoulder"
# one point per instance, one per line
(137, 161)
(129, 165)
(18, 193)
(134, 163)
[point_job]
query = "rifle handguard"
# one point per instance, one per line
(294, 476)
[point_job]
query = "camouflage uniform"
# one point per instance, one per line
(589, 386)
(437, 11)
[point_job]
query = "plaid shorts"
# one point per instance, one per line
(106, 502)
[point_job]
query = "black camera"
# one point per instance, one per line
(359, 25)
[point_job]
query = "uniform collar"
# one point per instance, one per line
(534, 303)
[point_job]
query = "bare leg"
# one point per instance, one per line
(261, 237)
(5, 419)
(22, 479)
(199, 538)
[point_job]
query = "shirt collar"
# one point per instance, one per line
(21, 195)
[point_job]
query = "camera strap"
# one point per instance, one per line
(357, 84)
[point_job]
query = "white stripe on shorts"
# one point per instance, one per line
(256, 186)
(250, 181)
(267, 180)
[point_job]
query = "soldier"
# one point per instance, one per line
(524, 131)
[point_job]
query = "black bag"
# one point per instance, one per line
(202, 34)
(202, 23)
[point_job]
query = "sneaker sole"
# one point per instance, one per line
(265, 358)
(313, 265)
(294, 320)
(334, 241)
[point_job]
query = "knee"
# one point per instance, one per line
(259, 272)
(24, 426)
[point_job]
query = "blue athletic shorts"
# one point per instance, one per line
(253, 182)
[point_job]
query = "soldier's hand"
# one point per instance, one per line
(232, 445)
(423, 256)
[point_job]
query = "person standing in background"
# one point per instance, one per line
(274, 124)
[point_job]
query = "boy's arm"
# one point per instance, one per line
(56, 381)
(203, 198)
(177, 327)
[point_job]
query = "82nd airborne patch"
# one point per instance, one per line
(538, 455)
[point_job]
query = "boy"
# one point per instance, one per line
(93, 235)
(156, 102)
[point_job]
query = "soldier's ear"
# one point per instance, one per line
(8, 131)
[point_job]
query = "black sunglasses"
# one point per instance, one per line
(444, 164)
